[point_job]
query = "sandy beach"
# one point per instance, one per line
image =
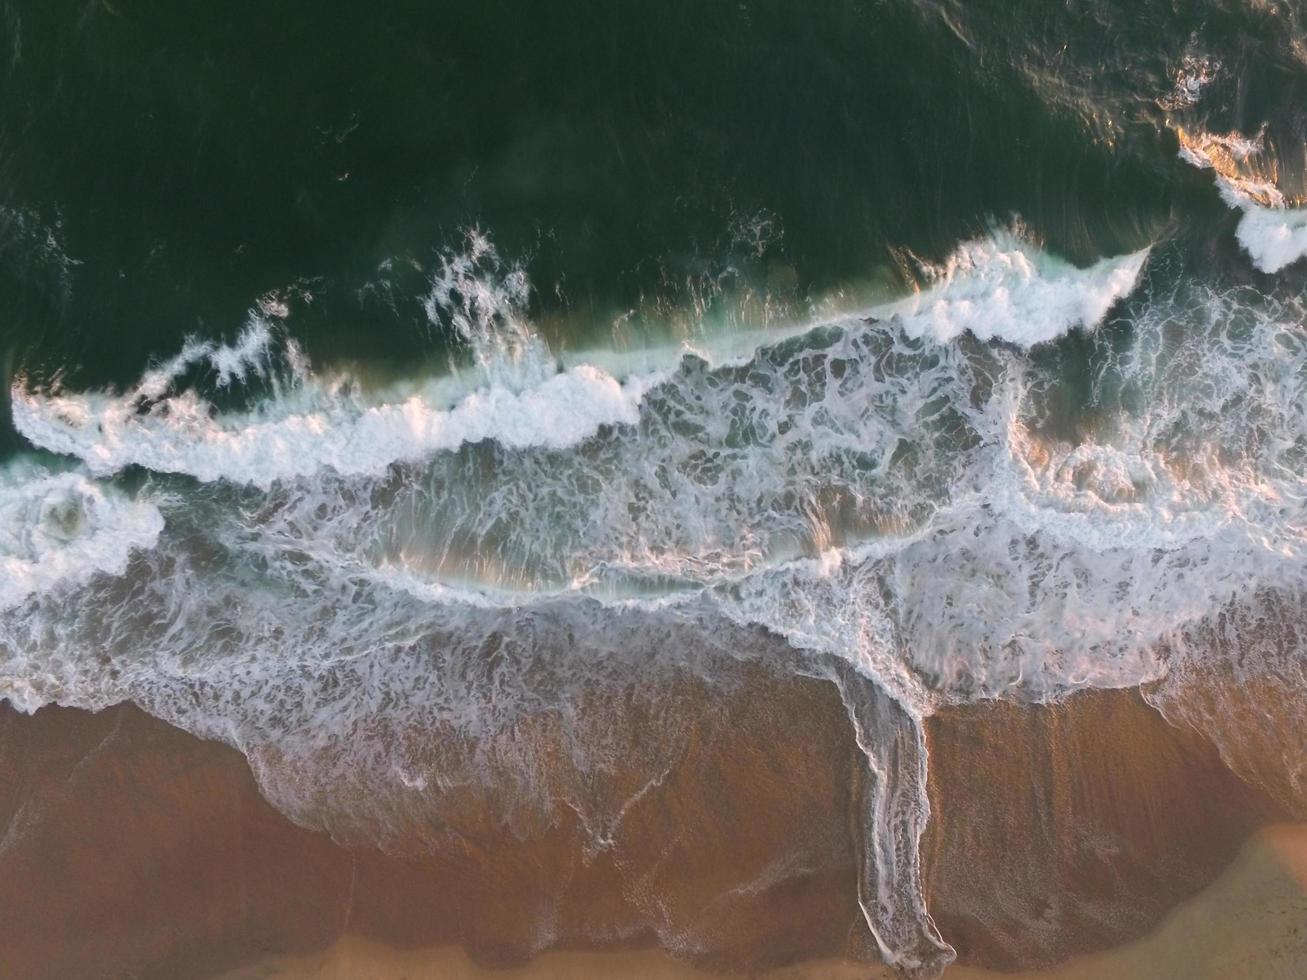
(1250, 923)
(1089, 837)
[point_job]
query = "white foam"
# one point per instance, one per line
(518, 395)
(763, 484)
(1050, 566)
(1274, 237)
(1272, 233)
(1002, 561)
(322, 425)
(59, 529)
(871, 492)
(1003, 288)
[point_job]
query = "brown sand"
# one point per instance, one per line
(1250, 924)
(131, 843)
(132, 849)
(1070, 828)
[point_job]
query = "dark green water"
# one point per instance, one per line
(183, 158)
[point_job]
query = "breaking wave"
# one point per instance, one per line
(944, 498)
(517, 393)
(1271, 231)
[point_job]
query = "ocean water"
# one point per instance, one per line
(372, 369)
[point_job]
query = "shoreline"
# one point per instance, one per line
(133, 848)
(1250, 923)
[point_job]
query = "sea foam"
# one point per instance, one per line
(885, 500)
(518, 395)
(1273, 233)
(1004, 288)
(59, 529)
(329, 427)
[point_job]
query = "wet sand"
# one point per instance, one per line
(1059, 832)
(1251, 923)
